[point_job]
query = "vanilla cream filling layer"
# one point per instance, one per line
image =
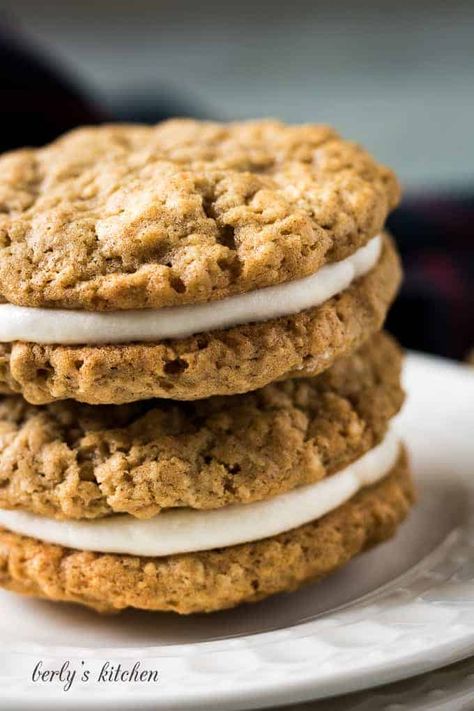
(39, 325)
(189, 530)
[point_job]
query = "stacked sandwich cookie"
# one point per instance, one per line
(196, 393)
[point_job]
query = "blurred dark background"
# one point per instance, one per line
(397, 77)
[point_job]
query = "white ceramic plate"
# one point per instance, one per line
(402, 609)
(450, 688)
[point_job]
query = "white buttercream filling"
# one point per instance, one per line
(65, 326)
(188, 530)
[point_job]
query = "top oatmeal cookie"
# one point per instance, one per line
(132, 217)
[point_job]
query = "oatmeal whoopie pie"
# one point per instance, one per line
(213, 579)
(201, 506)
(188, 259)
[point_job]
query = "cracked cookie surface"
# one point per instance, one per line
(69, 460)
(129, 216)
(209, 580)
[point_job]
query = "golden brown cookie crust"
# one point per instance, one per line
(210, 580)
(222, 362)
(68, 460)
(128, 216)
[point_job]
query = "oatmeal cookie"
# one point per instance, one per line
(132, 217)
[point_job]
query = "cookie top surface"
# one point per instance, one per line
(131, 217)
(69, 460)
